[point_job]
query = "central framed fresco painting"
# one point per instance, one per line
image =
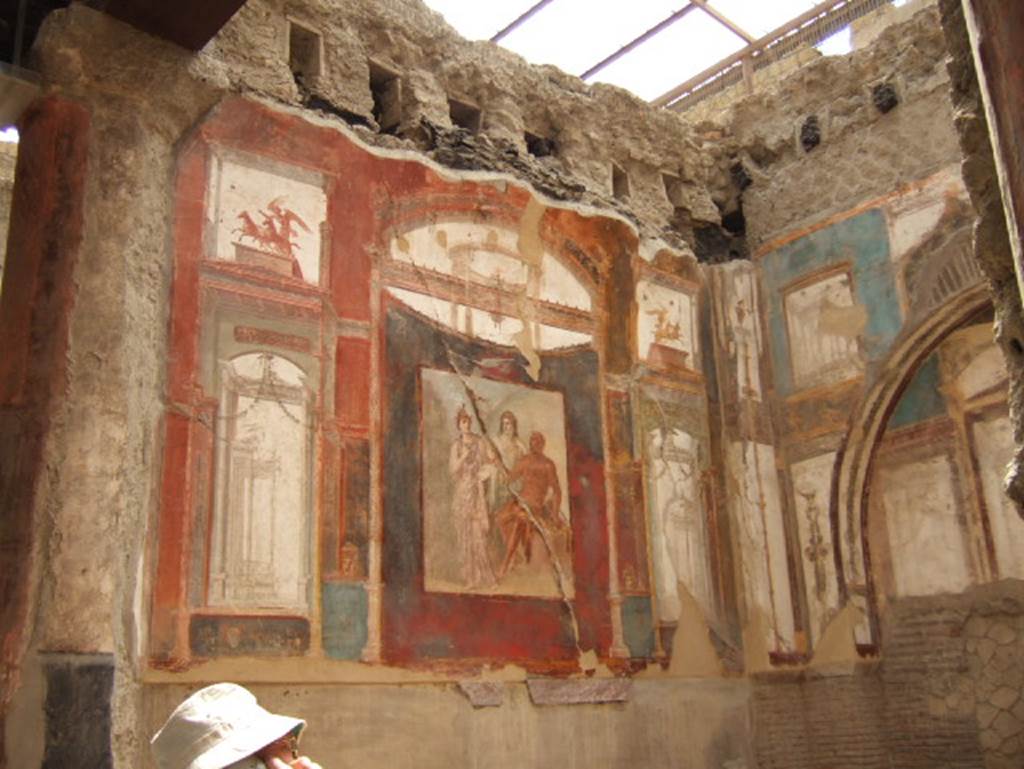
(495, 496)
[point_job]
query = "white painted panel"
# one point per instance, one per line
(926, 542)
(824, 326)
(666, 318)
(755, 500)
(678, 523)
(993, 441)
(266, 215)
(260, 549)
(812, 482)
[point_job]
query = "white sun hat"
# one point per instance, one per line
(216, 727)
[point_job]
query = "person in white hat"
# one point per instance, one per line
(223, 727)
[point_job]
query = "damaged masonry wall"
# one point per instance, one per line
(395, 390)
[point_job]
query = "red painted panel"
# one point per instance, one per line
(35, 309)
(43, 242)
(188, 246)
(352, 402)
(369, 199)
(350, 214)
(173, 534)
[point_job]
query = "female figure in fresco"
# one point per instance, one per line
(471, 465)
(683, 527)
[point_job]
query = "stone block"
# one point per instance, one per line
(483, 694)
(545, 691)
(1002, 634)
(78, 710)
(986, 715)
(1004, 698)
(1006, 725)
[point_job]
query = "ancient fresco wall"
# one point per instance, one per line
(411, 430)
(424, 422)
(938, 498)
(840, 298)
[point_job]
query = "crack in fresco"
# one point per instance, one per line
(529, 241)
(556, 565)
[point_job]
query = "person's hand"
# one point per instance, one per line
(302, 762)
(280, 754)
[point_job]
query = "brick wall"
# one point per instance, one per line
(946, 693)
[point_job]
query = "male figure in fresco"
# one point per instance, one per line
(537, 480)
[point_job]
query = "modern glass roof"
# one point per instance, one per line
(579, 36)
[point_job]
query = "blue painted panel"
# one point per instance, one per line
(863, 242)
(922, 399)
(344, 618)
(638, 625)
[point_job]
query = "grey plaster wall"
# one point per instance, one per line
(692, 724)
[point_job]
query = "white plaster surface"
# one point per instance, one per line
(756, 504)
(926, 543)
(912, 216)
(993, 442)
(812, 481)
(492, 327)
(489, 256)
(260, 553)
(824, 324)
(738, 310)
(678, 523)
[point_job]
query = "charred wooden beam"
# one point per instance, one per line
(188, 23)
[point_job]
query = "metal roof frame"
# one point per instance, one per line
(810, 27)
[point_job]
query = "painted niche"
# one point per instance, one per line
(265, 215)
(679, 532)
(667, 330)
(824, 325)
(259, 555)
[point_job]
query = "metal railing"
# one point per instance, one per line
(808, 29)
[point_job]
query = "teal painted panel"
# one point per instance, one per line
(922, 399)
(638, 625)
(344, 618)
(862, 241)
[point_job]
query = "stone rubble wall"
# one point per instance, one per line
(863, 153)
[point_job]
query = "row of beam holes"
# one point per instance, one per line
(304, 59)
(883, 96)
(304, 49)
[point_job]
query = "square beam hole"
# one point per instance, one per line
(386, 89)
(539, 146)
(464, 115)
(304, 52)
(620, 183)
(673, 189)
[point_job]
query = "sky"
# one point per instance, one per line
(576, 34)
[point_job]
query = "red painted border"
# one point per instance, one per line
(369, 199)
(47, 220)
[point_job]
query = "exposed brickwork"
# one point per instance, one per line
(946, 692)
(813, 720)
(928, 697)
